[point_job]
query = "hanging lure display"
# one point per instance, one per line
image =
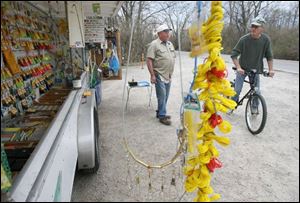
(214, 90)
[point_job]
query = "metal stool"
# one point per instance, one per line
(140, 84)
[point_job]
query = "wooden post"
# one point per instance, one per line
(118, 42)
(119, 52)
(98, 56)
(142, 60)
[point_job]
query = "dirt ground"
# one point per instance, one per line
(264, 167)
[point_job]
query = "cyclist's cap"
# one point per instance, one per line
(258, 21)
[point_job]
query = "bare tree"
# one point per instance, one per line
(282, 23)
(178, 15)
(296, 15)
(242, 12)
(141, 13)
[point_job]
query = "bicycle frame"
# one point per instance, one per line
(251, 75)
(240, 102)
(251, 113)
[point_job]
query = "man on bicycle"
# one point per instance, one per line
(252, 48)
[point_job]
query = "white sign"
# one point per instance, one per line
(104, 45)
(94, 29)
(75, 21)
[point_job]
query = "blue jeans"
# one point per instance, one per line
(238, 85)
(162, 94)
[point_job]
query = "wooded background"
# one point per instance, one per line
(282, 24)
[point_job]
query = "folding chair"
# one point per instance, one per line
(139, 84)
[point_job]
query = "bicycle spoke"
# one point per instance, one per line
(255, 114)
(254, 117)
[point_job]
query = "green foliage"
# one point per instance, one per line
(282, 25)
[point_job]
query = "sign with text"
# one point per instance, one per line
(94, 29)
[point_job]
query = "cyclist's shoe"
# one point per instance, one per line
(254, 110)
(229, 112)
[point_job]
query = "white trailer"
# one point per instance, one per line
(71, 137)
(70, 142)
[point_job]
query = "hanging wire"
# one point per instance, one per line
(180, 66)
(125, 83)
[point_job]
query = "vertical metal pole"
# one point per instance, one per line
(199, 4)
(70, 49)
(180, 66)
(83, 57)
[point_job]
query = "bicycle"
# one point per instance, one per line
(256, 108)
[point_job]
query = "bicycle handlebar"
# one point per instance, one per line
(264, 73)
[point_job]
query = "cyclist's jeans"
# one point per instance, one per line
(162, 94)
(238, 85)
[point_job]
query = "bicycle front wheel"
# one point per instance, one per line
(256, 113)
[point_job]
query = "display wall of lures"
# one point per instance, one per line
(26, 57)
(30, 47)
(21, 136)
(19, 91)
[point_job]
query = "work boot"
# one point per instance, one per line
(157, 116)
(165, 121)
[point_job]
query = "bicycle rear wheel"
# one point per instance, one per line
(256, 113)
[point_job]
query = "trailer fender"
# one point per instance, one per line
(88, 134)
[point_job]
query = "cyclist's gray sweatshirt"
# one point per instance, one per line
(252, 51)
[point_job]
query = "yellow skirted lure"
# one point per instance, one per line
(214, 93)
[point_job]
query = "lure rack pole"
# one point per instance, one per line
(189, 96)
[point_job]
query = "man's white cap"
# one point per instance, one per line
(258, 21)
(162, 28)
